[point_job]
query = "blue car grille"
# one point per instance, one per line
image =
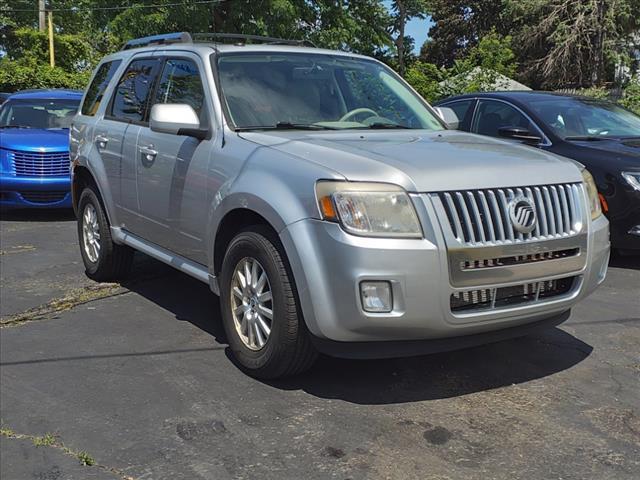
(37, 164)
(44, 197)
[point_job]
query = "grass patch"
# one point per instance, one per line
(85, 459)
(7, 432)
(45, 441)
(73, 298)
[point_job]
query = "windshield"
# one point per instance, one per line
(576, 117)
(317, 91)
(38, 113)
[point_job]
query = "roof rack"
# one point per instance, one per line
(162, 39)
(185, 37)
(243, 39)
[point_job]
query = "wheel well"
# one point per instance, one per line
(231, 224)
(81, 178)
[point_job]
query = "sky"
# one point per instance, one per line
(416, 28)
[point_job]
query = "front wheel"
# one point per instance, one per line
(103, 260)
(260, 310)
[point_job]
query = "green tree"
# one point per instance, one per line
(425, 78)
(572, 43)
(457, 27)
(403, 11)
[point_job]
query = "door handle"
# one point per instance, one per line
(149, 153)
(101, 141)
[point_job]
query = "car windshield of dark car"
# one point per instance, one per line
(316, 91)
(575, 118)
(38, 113)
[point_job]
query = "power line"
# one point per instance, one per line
(89, 9)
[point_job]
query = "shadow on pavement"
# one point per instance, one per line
(442, 375)
(187, 298)
(373, 382)
(38, 215)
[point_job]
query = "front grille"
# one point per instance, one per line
(518, 259)
(493, 298)
(479, 217)
(40, 164)
(44, 197)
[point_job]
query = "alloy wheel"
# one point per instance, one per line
(251, 303)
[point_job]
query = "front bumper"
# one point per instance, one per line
(329, 264)
(35, 192)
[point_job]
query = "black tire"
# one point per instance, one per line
(288, 349)
(113, 261)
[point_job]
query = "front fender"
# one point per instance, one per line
(279, 187)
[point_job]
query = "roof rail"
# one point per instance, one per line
(162, 39)
(242, 39)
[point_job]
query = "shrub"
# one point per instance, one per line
(27, 73)
(631, 97)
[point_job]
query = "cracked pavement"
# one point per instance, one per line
(136, 375)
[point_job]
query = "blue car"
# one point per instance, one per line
(34, 148)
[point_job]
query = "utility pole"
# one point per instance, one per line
(52, 57)
(41, 14)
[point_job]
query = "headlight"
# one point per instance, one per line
(369, 209)
(592, 192)
(633, 179)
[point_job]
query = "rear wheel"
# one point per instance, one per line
(260, 310)
(103, 260)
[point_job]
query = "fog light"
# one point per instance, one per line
(635, 231)
(376, 296)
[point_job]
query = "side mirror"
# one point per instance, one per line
(449, 117)
(519, 133)
(176, 119)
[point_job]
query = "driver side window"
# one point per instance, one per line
(492, 115)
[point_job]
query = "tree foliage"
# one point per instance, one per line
(479, 70)
(556, 42)
(86, 30)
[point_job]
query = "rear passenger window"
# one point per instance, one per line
(180, 83)
(99, 84)
(463, 112)
(132, 93)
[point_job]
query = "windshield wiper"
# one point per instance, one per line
(381, 125)
(286, 126)
(15, 126)
(586, 138)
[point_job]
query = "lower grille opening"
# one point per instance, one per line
(518, 259)
(44, 197)
(492, 298)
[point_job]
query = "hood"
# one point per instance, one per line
(34, 139)
(423, 161)
(616, 149)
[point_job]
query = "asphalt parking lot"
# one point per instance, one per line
(133, 381)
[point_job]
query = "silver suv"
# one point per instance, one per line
(325, 202)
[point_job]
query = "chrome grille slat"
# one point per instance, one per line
(487, 213)
(476, 214)
(481, 217)
(549, 208)
(467, 219)
(505, 214)
(498, 216)
(457, 227)
(558, 211)
(529, 195)
(565, 208)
